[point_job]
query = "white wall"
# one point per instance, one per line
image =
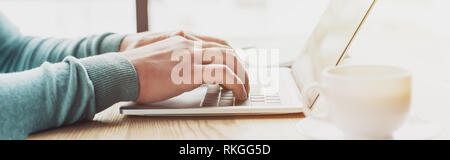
(70, 18)
(229, 18)
(237, 18)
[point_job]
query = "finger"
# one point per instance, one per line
(208, 42)
(208, 38)
(221, 74)
(204, 44)
(155, 37)
(191, 37)
(185, 35)
(146, 38)
(227, 57)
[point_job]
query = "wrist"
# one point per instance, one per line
(128, 42)
(114, 78)
(124, 44)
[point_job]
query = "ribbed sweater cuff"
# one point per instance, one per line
(114, 77)
(111, 43)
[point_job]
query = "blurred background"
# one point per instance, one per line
(282, 24)
(232, 18)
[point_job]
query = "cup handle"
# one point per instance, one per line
(310, 93)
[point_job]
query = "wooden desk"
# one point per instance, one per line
(398, 32)
(111, 125)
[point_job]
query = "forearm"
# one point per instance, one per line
(30, 52)
(63, 93)
(20, 53)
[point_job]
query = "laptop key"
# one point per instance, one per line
(213, 89)
(257, 97)
(273, 98)
(257, 100)
(227, 98)
(226, 103)
(226, 93)
(209, 104)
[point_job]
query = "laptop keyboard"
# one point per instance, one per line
(259, 96)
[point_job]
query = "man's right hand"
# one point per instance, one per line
(154, 65)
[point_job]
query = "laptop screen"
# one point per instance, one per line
(330, 39)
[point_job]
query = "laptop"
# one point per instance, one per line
(325, 47)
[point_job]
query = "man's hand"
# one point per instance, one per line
(145, 38)
(152, 57)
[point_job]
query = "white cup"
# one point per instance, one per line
(365, 101)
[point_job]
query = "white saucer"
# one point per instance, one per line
(413, 129)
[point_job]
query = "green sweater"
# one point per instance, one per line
(48, 82)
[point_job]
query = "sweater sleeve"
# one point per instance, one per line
(46, 82)
(63, 93)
